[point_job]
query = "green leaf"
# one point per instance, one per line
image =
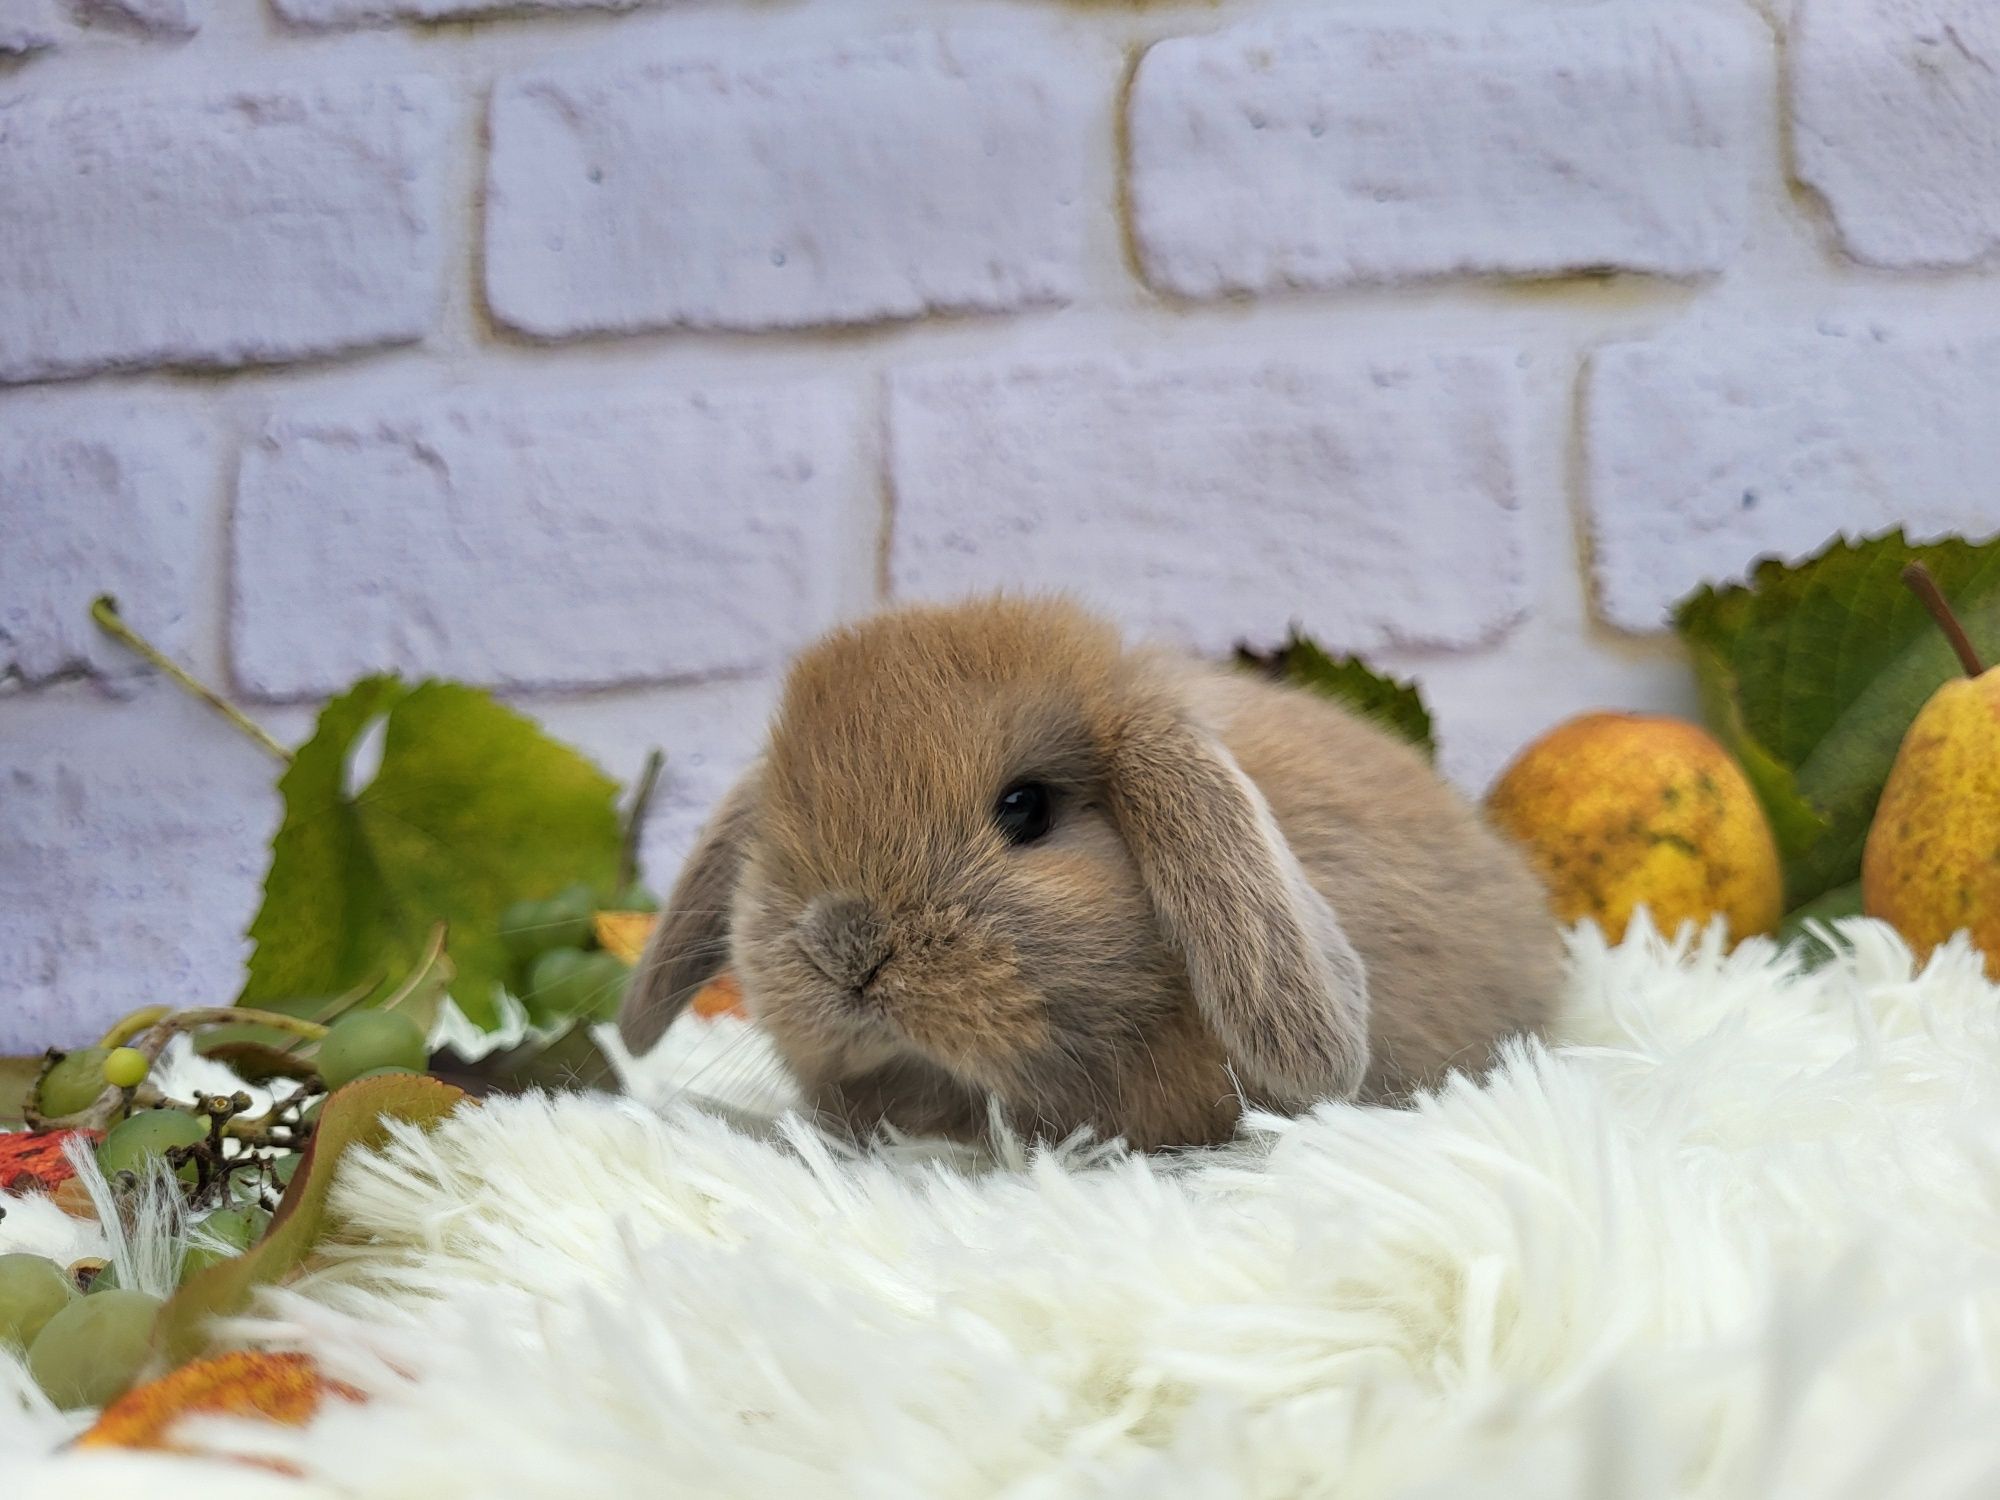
(1811, 674)
(1394, 704)
(1841, 901)
(356, 1116)
(473, 807)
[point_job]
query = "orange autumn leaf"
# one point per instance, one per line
(623, 934)
(33, 1161)
(285, 1388)
(721, 996)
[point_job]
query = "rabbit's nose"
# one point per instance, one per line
(845, 940)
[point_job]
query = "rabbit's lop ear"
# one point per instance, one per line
(690, 942)
(1274, 976)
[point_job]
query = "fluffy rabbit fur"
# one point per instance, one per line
(1243, 892)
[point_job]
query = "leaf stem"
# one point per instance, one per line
(227, 1015)
(104, 610)
(1925, 587)
(635, 818)
(133, 1024)
(337, 1007)
(427, 970)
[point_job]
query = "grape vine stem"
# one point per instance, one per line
(152, 1041)
(104, 610)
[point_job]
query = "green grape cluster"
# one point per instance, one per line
(560, 974)
(85, 1348)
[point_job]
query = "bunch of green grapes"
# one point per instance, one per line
(559, 971)
(84, 1345)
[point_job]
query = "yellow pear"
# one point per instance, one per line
(1616, 810)
(1932, 863)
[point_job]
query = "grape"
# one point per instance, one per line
(103, 1279)
(237, 1228)
(566, 983)
(94, 1348)
(363, 1040)
(602, 987)
(548, 978)
(385, 1072)
(521, 929)
(529, 929)
(32, 1291)
(126, 1067)
(150, 1132)
(74, 1083)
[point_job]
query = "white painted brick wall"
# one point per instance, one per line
(1721, 445)
(132, 844)
(881, 179)
(253, 225)
(102, 495)
(331, 13)
(1896, 116)
(159, 18)
(567, 542)
(1539, 141)
(27, 26)
(1377, 498)
(600, 352)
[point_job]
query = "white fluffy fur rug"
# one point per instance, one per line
(1737, 1235)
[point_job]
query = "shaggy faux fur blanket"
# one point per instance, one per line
(1736, 1233)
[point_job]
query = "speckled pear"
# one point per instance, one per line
(1621, 810)
(1932, 864)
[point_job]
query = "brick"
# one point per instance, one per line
(159, 18)
(333, 13)
(527, 543)
(1714, 450)
(101, 495)
(28, 26)
(131, 856)
(1531, 143)
(1374, 501)
(873, 180)
(1895, 114)
(246, 227)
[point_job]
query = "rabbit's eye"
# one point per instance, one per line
(1022, 813)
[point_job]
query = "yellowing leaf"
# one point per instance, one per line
(623, 934)
(721, 996)
(285, 1388)
(472, 808)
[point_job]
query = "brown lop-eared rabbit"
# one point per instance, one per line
(992, 856)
